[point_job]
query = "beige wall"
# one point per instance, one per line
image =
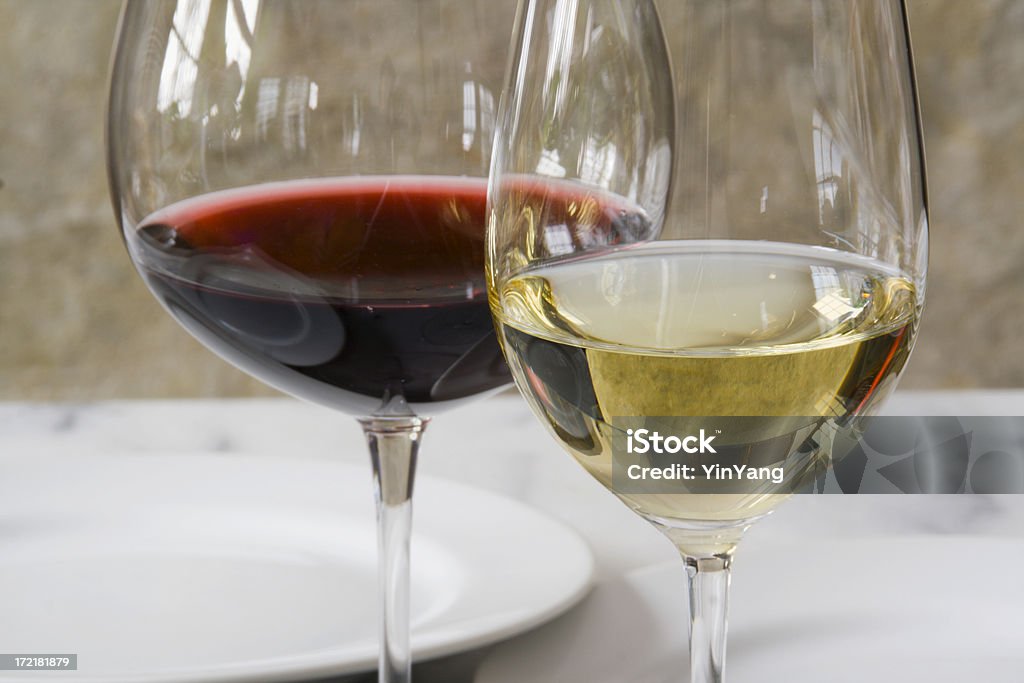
(77, 323)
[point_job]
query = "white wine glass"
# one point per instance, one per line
(707, 211)
(302, 185)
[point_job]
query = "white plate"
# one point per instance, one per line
(186, 567)
(914, 610)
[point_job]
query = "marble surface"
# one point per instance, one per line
(498, 445)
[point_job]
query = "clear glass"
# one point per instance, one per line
(302, 185)
(707, 210)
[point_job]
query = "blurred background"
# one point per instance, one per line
(76, 323)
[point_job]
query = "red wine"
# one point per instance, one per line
(344, 292)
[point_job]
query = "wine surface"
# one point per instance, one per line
(346, 292)
(702, 328)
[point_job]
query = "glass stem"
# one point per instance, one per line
(394, 445)
(708, 577)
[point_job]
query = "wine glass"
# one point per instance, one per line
(302, 185)
(707, 214)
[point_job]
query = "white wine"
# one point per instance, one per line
(702, 328)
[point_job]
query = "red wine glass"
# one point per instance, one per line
(302, 185)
